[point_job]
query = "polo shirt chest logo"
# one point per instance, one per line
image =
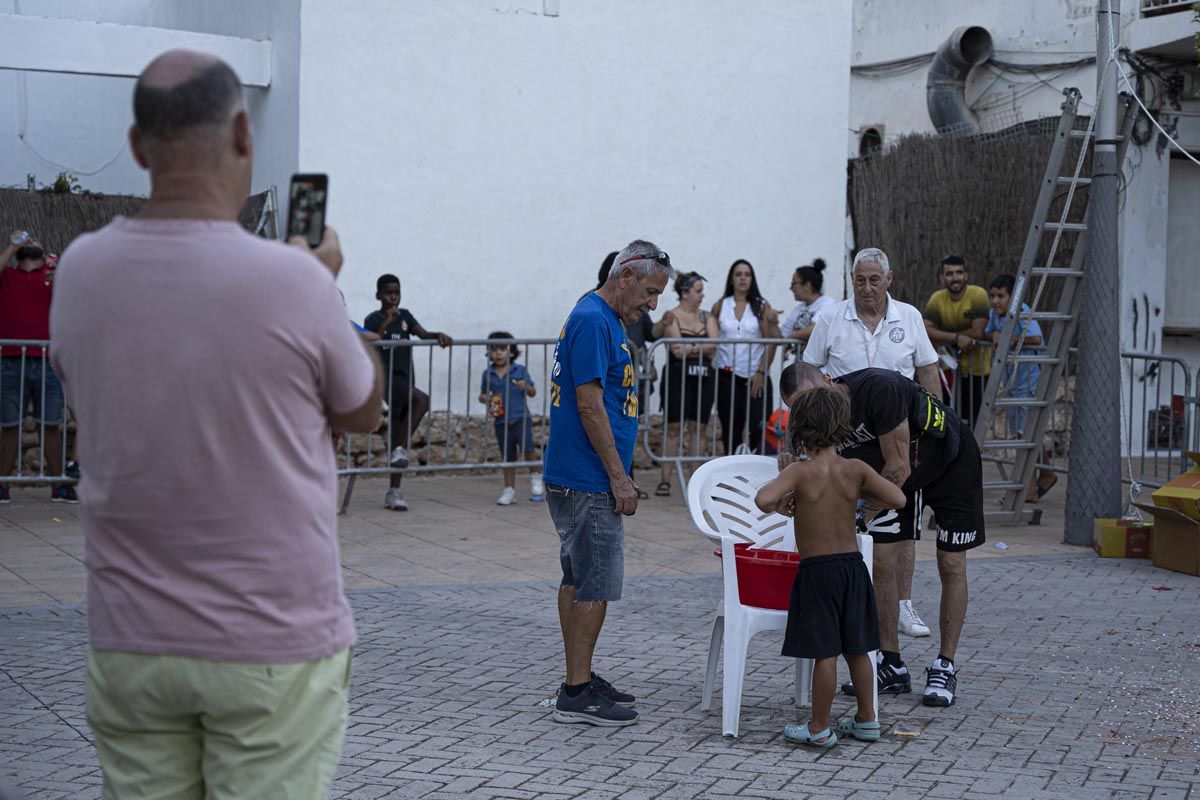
(896, 335)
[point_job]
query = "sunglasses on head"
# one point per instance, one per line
(659, 256)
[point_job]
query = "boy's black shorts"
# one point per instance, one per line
(956, 498)
(832, 610)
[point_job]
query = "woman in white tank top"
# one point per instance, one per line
(744, 391)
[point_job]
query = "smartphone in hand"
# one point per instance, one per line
(306, 207)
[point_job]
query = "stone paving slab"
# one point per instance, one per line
(454, 533)
(1079, 680)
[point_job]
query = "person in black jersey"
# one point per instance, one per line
(920, 445)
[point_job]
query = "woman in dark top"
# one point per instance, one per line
(688, 380)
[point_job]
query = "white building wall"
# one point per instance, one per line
(491, 155)
(1027, 32)
(78, 123)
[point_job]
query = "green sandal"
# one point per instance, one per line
(863, 731)
(799, 734)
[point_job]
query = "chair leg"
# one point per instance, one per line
(737, 642)
(875, 683)
(714, 653)
(804, 673)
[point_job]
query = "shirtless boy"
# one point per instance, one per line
(833, 604)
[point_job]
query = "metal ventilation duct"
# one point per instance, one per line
(945, 88)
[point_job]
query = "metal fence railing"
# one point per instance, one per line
(443, 414)
(34, 418)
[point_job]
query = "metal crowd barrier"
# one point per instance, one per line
(1158, 426)
(678, 379)
(27, 381)
(704, 408)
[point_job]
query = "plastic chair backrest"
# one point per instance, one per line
(721, 500)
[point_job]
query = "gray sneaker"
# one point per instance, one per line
(592, 707)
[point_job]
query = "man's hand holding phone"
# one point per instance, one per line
(329, 251)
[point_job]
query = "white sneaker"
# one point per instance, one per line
(537, 489)
(910, 623)
(507, 497)
(399, 458)
(394, 501)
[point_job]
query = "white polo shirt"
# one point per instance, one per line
(841, 343)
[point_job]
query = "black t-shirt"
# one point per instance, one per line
(880, 400)
(401, 328)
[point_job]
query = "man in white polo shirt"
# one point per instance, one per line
(872, 329)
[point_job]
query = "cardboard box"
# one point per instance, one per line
(1176, 541)
(1183, 493)
(1122, 538)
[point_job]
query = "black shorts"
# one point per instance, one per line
(956, 498)
(833, 609)
(688, 397)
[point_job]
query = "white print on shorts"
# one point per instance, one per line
(957, 537)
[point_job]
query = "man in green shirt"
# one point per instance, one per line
(955, 318)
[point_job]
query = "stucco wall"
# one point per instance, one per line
(78, 123)
(491, 155)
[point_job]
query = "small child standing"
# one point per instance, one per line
(1024, 380)
(504, 387)
(832, 609)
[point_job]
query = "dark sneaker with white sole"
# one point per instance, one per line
(593, 708)
(941, 679)
(892, 679)
(611, 692)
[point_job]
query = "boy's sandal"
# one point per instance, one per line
(863, 731)
(799, 734)
(663, 490)
(1041, 490)
(642, 493)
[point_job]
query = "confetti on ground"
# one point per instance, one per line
(1001, 546)
(1162, 588)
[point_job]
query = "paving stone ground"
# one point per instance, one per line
(1079, 679)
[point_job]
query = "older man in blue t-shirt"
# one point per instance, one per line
(593, 428)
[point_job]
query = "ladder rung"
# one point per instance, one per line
(1049, 316)
(1088, 135)
(1070, 227)
(1059, 272)
(1002, 485)
(1066, 180)
(1008, 444)
(1038, 359)
(1021, 401)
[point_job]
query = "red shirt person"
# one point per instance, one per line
(27, 381)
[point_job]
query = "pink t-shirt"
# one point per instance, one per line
(199, 361)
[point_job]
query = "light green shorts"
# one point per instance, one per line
(176, 728)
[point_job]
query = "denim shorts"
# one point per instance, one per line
(517, 434)
(592, 535)
(16, 396)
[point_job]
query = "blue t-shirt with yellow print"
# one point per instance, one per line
(591, 347)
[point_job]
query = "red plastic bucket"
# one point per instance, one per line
(765, 577)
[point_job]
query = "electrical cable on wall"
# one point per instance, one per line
(23, 123)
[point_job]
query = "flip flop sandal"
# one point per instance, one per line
(663, 490)
(642, 494)
(863, 731)
(799, 734)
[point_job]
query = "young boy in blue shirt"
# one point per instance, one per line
(1023, 382)
(504, 387)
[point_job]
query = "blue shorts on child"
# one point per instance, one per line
(514, 434)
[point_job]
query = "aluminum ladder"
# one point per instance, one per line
(1018, 457)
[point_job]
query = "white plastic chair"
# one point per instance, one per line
(720, 497)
